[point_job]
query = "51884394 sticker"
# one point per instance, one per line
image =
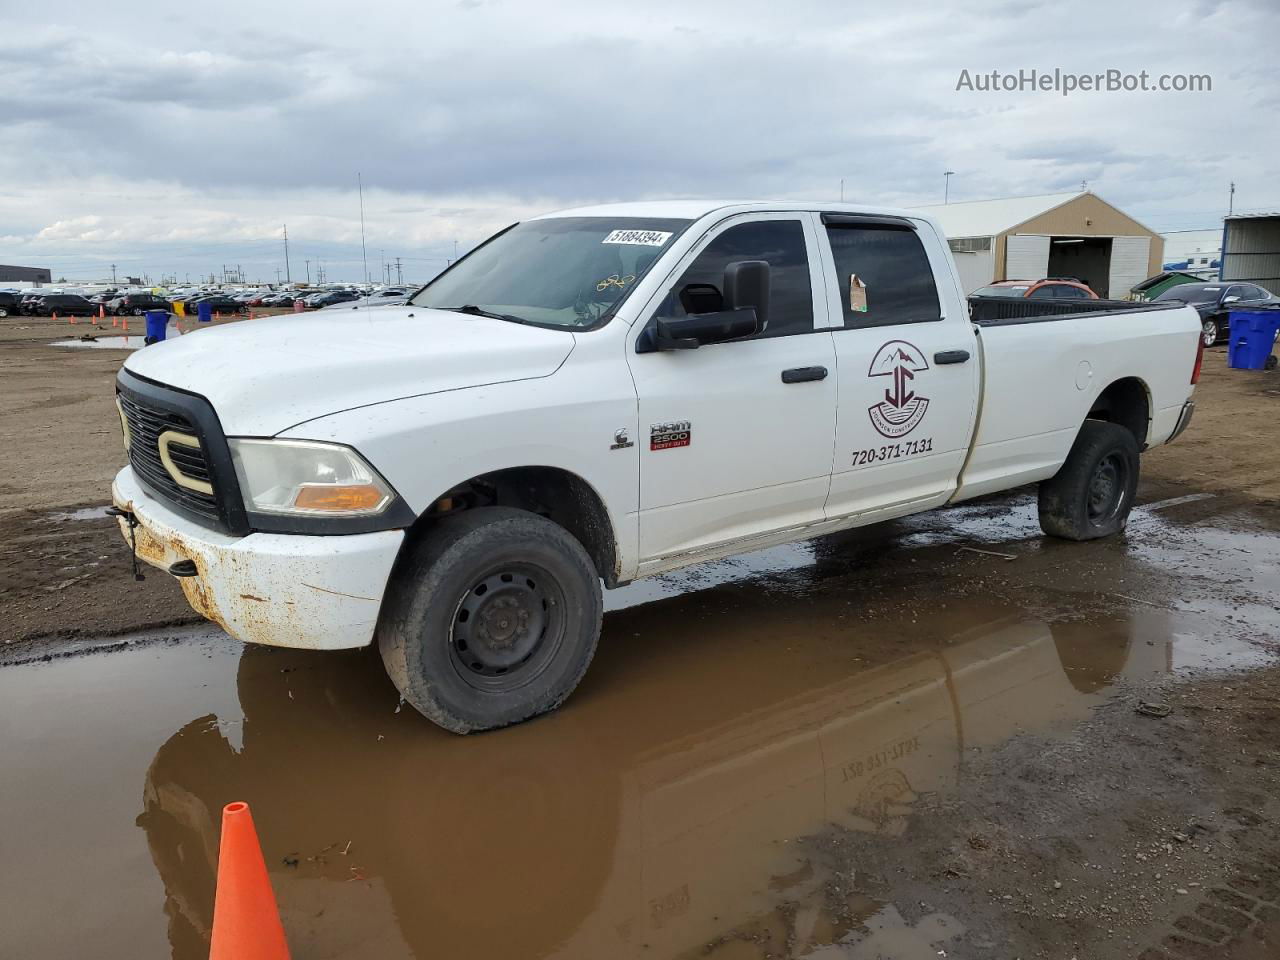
(643, 238)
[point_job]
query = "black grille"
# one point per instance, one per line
(146, 423)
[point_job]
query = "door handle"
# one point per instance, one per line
(804, 374)
(951, 356)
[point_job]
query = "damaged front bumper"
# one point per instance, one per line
(284, 590)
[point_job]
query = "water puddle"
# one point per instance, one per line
(84, 513)
(663, 813)
(132, 342)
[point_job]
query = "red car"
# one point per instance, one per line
(1051, 288)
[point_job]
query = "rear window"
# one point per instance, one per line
(883, 274)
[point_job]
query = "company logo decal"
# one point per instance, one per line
(902, 408)
(665, 436)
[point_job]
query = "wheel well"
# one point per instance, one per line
(560, 496)
(1126, 404)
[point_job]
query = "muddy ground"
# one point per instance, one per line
(881, 744)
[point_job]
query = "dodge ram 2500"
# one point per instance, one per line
(608, 393)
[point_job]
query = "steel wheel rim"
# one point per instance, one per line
(1107, 488)
(507, 628)
(1210, 333)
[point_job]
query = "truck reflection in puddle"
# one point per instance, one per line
(656, 817)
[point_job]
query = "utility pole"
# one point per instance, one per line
(277, 276)
(399, 274)
(1231, 204)
(308, 263)
(113, 266)
(842, 189)
(946, 186)
(287, 277)
(364, 254)
(455, 250)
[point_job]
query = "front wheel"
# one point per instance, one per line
(491, 619)
(1092, 494)
(1209, 333)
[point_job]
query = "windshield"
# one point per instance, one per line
(1000, 292)
(1192, 295)
(558, 272)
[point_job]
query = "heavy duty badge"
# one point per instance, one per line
(664, 436)
(902, 408)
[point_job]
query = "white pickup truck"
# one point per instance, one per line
(604, 394)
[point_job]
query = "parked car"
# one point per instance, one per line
(329, 298)
(1051, 288)
(567, 405)
(137, 304)
(220, 303)
(1213, 301)
(65, 305)
(10, 304)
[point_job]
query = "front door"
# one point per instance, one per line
(908, 367)
(729, 449)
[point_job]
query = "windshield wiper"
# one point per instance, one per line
(472, 310)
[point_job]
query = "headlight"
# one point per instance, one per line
(307, 478)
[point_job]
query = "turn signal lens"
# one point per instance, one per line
(335, 499)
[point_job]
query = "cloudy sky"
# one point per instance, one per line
(175, 138)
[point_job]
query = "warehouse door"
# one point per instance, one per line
(1128, 264)
(1026, 257)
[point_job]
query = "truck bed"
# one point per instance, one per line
(990, 311)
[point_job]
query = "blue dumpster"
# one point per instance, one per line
(204, 311)
(157, 320)
(1253, 334)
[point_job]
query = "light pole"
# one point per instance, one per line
(946, 186)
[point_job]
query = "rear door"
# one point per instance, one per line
(907, 363)
(729, 449)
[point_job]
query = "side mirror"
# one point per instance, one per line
(713, 317)
(689, 333)
(1231, 299)
(746, 285)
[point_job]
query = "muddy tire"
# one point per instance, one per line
(1092, 494)
(491, 619)
(1209, 332)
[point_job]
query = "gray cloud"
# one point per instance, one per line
(465, 115)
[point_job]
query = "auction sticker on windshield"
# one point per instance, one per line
(647, 238)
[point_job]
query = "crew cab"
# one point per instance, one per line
(608, 393)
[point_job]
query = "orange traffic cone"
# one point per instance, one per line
(246, 922)
(102, 312)
(115, 321)
(124, 322)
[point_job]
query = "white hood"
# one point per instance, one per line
(263, 376)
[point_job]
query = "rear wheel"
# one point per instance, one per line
(491, 619)
(1092, 494)
(4, 311)
(137, 311)
(1209, 332)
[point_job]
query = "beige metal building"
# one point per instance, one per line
(1055, 235)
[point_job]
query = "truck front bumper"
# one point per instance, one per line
(284, 590)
